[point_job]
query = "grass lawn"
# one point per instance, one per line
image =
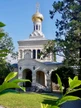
(25, 100)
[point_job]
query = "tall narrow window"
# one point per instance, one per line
(36, 27)
(38, 54)
(34, 54)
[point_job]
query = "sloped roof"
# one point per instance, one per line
(52, 63)
(15, 65)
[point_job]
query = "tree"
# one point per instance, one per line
(68, 35)
(64, 72)
(6, 44)
(3, 52)
(49, 48)
(5, 69)
(6, 47)
(66, 97)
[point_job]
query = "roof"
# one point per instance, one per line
(52, 63)
(15, 65)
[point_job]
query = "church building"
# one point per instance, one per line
(30, 64)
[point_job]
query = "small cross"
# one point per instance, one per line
(37, 7)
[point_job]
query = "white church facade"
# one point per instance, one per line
(30, 64)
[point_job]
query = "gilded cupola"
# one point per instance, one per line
(37, 17)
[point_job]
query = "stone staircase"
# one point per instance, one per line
(38, 88)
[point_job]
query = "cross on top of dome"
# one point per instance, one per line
(37, 7)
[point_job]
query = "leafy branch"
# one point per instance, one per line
(9, 83)
(73, 84)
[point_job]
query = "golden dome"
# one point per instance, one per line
(37, 17)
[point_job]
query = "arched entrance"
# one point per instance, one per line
(27, 74)
(40, 77)
(54, 85)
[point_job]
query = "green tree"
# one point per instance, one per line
(5, 69)
(68, 34)
(3, 51)
(6, 47)
(64, 72)
(59, 101)
(6, 44)
(49, 48)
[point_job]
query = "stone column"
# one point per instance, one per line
(31, 53)
(20, 76)
(19, 55)
(48, 82)
(33, 78)
(45, 79)
(36, 53)
(22, 54)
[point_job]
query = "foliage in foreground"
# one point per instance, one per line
(73, 84)
(5, 69)
(64, 72)
(9, 83)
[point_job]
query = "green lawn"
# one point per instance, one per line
(25, 100)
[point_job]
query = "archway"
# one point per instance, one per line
(54, 85)
(40, 77)
(27, 74)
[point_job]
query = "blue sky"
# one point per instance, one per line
(17, 15)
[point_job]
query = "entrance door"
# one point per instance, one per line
(27, 74)
(40, 77)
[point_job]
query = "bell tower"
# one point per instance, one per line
(37, 19)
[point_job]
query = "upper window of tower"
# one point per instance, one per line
(38, 54)
(36, 27)
(34, 54)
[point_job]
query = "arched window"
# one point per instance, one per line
(36, 27)
(38, 54)
(34, 54)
